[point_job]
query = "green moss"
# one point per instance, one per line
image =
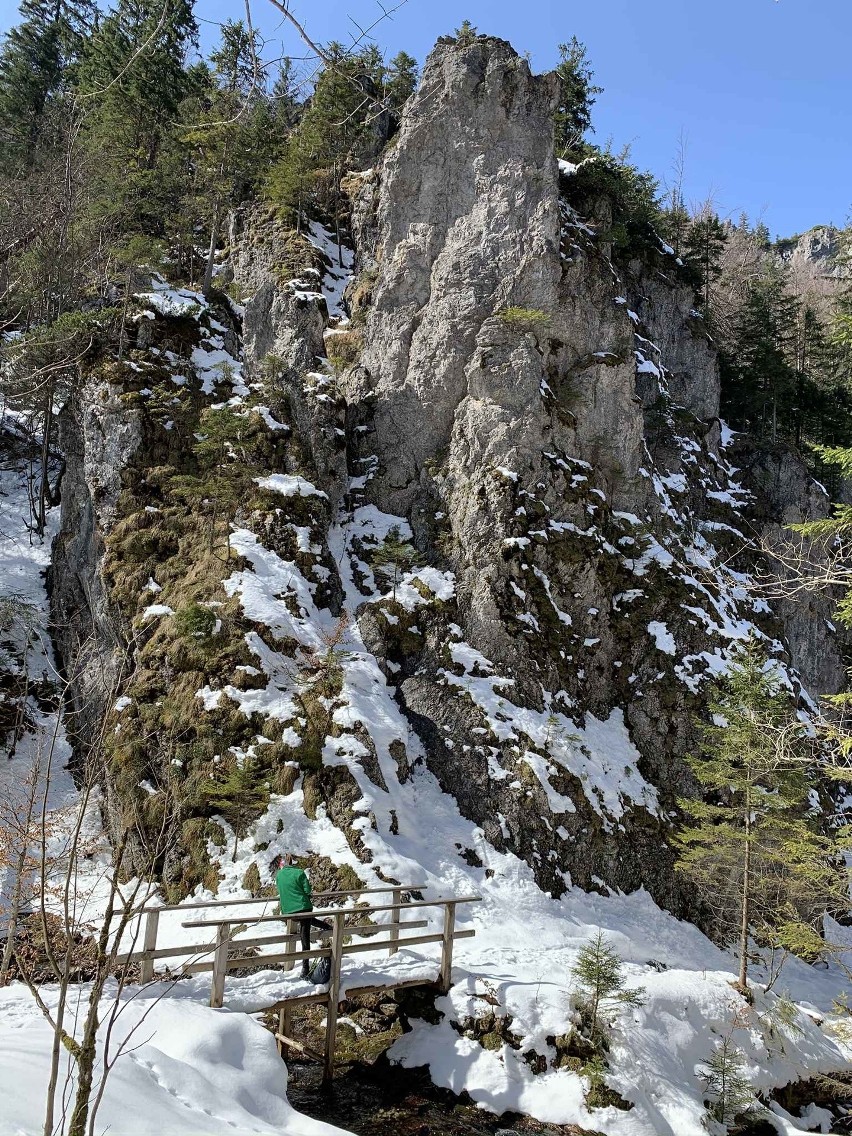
(525, 319)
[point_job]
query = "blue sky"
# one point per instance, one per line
(761, 90)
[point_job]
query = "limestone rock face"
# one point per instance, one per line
(536, 410)
(99, 439)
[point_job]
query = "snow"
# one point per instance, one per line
(662, 637)
(185, 1070)
(339, 271)
(194, 1070)
(152, 611)
(289, 485)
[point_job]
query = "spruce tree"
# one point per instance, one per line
(240, 797)
(133, 79)
(599, 974)
(36, 60)
(704, 242)
(727, 1090)
(400, 81)
(752, 849)
(572, 117)
(393, 556)
(334, 135)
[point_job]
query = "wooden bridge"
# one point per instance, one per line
(229, 951)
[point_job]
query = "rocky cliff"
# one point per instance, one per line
(476, 514)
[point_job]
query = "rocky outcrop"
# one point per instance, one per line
(534, 407)
(537, 413)
(100, 438)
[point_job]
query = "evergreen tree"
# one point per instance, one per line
(133, 80)
(704, 241)
(239, 796)
(227, 131)
(400, 81)
(599, 974)
(573, 114)
(393, 556)
(36, 60)
(333, 135)
(466, 34)
(759, 383)
(752, 849)
(727, 1090)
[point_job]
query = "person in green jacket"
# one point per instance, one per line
(294, 894)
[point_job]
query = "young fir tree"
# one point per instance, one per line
(393, 557)
(752, 849)
(599, 976)
(239, 797)
(573, 115)
(727, 1090)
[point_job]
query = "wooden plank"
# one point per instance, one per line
(169, 952)
(220, 968)
(288, 957)
(149, 943)
(291, 1043)
(414, 941)
(445, 974)
(333, 999)
(260, 961)
(397, 898)
(320, 913)
(212, 903)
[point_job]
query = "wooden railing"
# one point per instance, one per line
(227, 949)
(149, 953)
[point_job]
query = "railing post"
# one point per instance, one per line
(396, 917)
(284, 1026)
(289, 944)
(333, 998)
(149, 943)
(445, 975)
(220, 966)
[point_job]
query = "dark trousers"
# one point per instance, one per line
(305, 934)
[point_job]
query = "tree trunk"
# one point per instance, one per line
(14, 912)
(86, 1064)
(746, 900)
(211, 252)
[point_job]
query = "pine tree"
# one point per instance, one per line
(704, 241)
(754, 853)
(573, 117)
(599, 974)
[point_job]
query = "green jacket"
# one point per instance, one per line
(294, 890)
